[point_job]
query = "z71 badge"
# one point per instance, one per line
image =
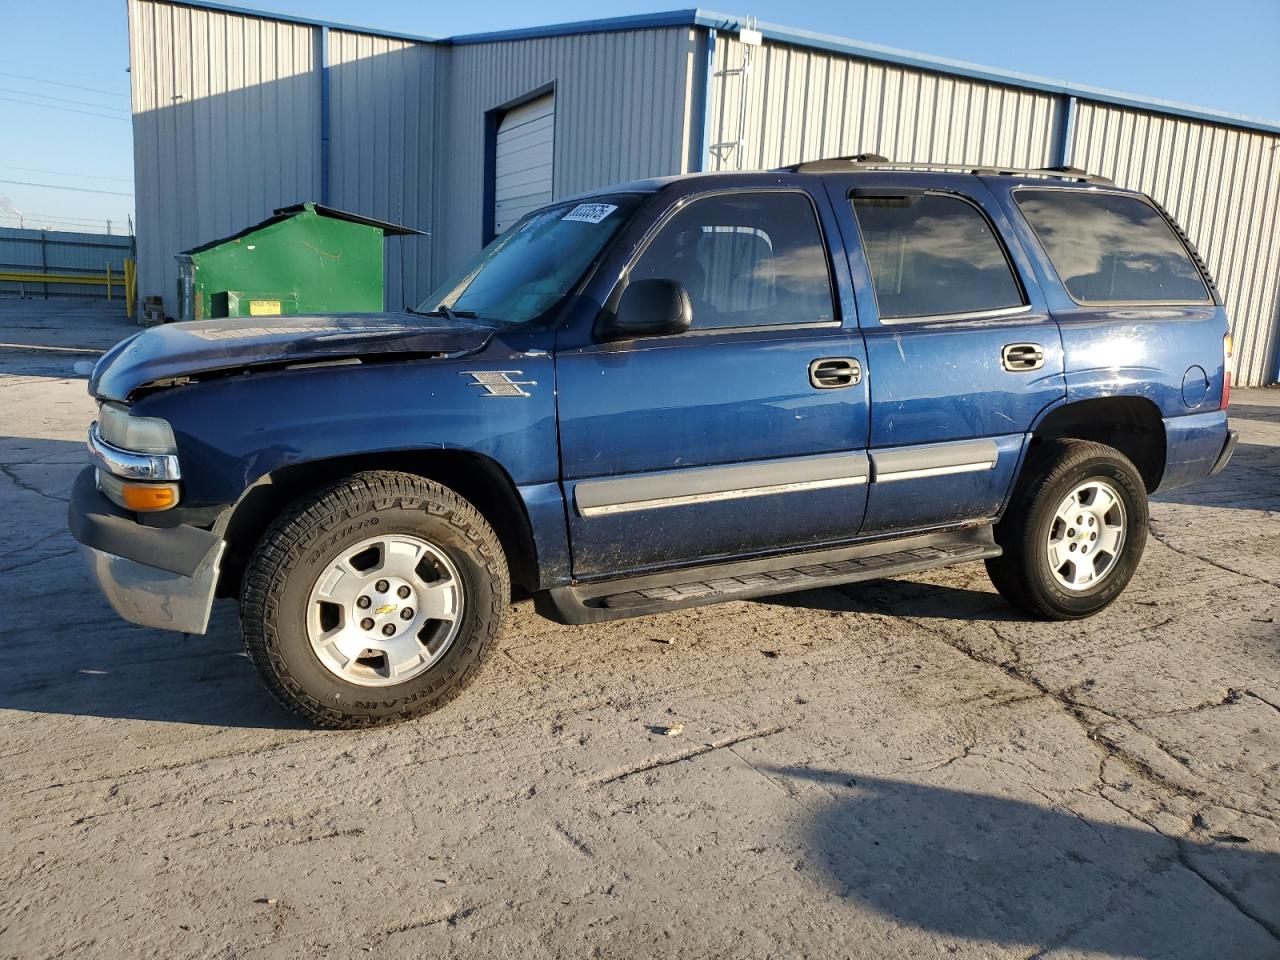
(498, 383)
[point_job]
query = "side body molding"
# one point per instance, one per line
(933, 460)
(940, 484)
(672, 488)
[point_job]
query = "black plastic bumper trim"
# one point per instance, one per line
(98, 523)
(1228, 448)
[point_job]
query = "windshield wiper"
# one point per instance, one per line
(445, 311)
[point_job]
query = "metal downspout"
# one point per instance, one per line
(1066, 130)
(324, 115)
(708, 69)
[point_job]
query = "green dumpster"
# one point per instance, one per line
(306, 258)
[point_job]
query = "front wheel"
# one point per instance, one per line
(373, 600)
(1074, 531)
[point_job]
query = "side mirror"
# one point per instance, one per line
(649, 308)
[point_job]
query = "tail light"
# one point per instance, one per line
(1226, 370)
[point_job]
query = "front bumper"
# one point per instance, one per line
(157, 576)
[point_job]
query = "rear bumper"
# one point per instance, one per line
(1228, 448)
(1196, 446)
(161, 577)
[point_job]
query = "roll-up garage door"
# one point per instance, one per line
(522, 171)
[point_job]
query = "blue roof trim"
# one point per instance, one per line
(641, 21)
(796, 37)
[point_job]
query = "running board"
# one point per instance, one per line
(582, 603)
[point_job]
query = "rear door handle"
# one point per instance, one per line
(830, 373)
(1017, 357)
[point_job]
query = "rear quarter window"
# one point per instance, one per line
(934, 255)
(1112, 248)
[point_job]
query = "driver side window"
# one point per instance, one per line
(747, 259)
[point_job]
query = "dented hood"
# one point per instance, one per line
(176, 350)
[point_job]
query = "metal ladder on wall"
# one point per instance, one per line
(749, 37)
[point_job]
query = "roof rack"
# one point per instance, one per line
(873, 161)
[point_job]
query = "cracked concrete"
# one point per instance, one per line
(912, 770)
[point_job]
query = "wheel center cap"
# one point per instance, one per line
(386, 605)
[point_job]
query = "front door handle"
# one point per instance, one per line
(830, 373)
(1017, 357)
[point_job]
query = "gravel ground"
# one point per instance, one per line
(895, 769)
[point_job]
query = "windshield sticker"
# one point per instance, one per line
(590, 212)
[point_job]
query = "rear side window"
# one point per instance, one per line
(932, 255)
(1109, 248)
(747, 259)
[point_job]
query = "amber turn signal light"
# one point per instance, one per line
(149, 497)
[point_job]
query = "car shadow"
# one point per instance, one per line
(984, 867)
(1254, 411)
(902, 597)
(95, 665)
(67, 652)
(1248, 482)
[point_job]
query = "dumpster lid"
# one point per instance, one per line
(284, 213)
(395, 229)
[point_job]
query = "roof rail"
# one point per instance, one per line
(836, 164)
(873, 161)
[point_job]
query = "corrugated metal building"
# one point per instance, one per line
(238, 112)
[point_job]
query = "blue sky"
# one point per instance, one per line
(64, 86)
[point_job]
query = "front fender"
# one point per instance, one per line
(234, 431)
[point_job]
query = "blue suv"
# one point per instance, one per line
(663, 394)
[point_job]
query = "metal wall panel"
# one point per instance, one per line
(1222, 184)
(803, 104)
(61, 251)
(227, 127)
(383, 113)
(624, 103)
(226, 121)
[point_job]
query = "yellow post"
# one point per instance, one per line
(130, 285)
(108, 281)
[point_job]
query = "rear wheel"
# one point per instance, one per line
(1074, 531)
(373, 600)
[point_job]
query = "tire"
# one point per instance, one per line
(360, 534)
(1033, 526)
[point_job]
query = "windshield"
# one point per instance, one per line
(533, 266)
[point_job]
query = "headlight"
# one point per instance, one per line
(136, 434)
(137, 459)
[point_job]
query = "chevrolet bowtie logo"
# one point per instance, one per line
(499, 383)
(385, 608)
